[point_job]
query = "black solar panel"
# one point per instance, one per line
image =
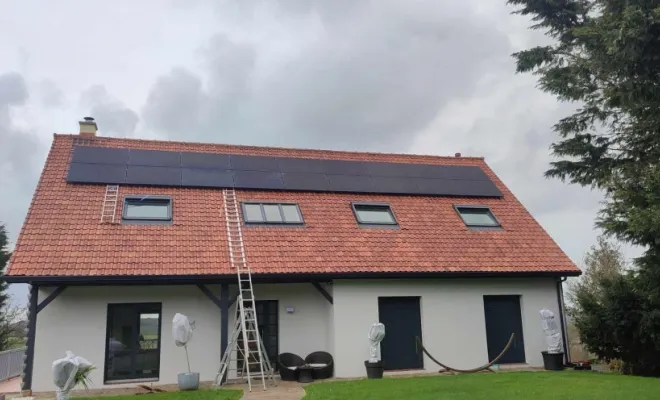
(386, 169)
(96, 173)
(254, 163)
(393, 185)
(205, 160)
(157, 176)
(475, 188)
(456, 187)
(99, 155)
(258, 180)
(206, 178)
(337, 167)
(351, 183)
(154, 158)
(302, 165)
(300, 181)
(454, 172)
(169, 168)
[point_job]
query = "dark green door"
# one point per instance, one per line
(402, 320)
(503, 317)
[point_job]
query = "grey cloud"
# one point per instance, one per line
(14, 90)
(20, 154)
(51, 94)
(370, 79)
(112, 116)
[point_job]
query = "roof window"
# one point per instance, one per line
(147, 209)
(477, 216)
(374, 214)
(272, 213)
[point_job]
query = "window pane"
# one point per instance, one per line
(477, 216)
(272, 212)
(291, 213)
(253, 213)
(147, 209)
(149, 331)
(374, 214)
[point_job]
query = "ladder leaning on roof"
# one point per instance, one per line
(255, 363)
(109, 208)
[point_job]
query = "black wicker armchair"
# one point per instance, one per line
(322, 364)
(287, 364)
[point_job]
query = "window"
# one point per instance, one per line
(147, 209)
(374, 214)
(132, 349)
(477, 216)
(272, 213)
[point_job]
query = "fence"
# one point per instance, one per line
(11, 363)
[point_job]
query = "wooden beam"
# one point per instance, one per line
(29, 351)
(210, 295)
(323, 292)
(224, 321)
(58, 290)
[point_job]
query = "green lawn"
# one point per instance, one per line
(194, 395)
(505, 386)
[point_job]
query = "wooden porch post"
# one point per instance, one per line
(224, 320)
(29, 351)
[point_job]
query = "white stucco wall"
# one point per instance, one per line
(76, 320)
(452, 312)
(453, 324)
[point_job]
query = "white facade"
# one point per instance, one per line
(452, 313)
(452, 317)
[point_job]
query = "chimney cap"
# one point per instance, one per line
(89, 119)
(457, 154)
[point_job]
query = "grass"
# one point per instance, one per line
(509, 385)
(192, 395)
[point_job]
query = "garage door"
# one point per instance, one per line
(401, 317)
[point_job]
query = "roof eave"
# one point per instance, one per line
(269, 278)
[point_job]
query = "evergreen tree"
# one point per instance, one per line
(5, 319)
(605, 57)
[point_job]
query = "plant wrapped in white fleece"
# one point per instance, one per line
(552, 331)
(376, 335)
(70, 371)
(182, 332)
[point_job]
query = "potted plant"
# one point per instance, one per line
(182, 330)
(553, 358)
(374, 365)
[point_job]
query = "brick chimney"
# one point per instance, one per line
(88, 127)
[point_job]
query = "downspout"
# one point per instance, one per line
(562, 319)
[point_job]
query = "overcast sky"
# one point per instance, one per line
(430, 77)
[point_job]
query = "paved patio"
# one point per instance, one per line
(12, 385)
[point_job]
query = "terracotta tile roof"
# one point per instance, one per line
(63, 236)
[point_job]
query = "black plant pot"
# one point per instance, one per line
(374, 370)
(553, 361)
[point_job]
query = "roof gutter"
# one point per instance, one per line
(266, 278)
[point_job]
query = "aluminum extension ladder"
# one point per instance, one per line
(254, 362)
(109, 208)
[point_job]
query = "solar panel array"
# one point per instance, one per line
(207, 170)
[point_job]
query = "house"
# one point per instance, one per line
(433, 247)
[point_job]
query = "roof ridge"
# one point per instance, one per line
(304, 149)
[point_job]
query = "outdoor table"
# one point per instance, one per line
(305, 374)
